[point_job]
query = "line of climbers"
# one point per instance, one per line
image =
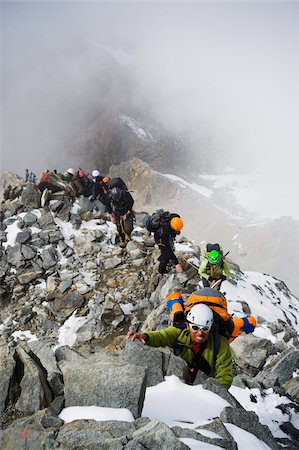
(201, 328)
(112, 192)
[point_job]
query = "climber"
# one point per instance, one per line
(166, 227)
(214, 269)
(194, 344)
(121, 213)
(94, 185)
(77, 179)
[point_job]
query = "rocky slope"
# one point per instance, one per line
(68, 296)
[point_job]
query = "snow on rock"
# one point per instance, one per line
(24, 336)
(184, 403)
(67, 333)
(135, 126)
(202, 190)
(244, 439)
(96, 413)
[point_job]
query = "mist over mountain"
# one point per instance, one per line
(218, 78)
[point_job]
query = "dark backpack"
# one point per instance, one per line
(157, 220)
(117, 182)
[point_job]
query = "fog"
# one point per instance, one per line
(222, 74)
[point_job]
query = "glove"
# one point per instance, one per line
(249, 324)
(178, 268)
(210, 279)
(223, 277)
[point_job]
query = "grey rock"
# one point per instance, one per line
(227, 443)
(68, 303)
(157, 435)
(244, 381)
(174, 365)
(64, 212)
(56, 206)
(65, 353)
(112, 384)
(216, 426)
(46, 220)
(47, 359)
(49, 257)
(14, 256)
(76, 221)
(31, 197)
(29, 219)
(281, 371)
(23, 236)
(251, 352)
(91, 435)
(27, 276)
(28, 252)
(62, 246)
(85, 204)
(291, 388)
(140, 355)
(28, 433)
(65, 285)
(35, 392)
(111, 313)
(110, 263)
(248, 421)
(7, 365)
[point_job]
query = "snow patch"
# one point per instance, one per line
(96, 413)
(67, 333)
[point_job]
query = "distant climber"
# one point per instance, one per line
(214, 269)
(194, 344)
(121, 213)
(77, 179)
(165, 227)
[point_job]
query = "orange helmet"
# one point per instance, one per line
(176, 223)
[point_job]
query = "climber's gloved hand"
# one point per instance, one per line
(249, 324)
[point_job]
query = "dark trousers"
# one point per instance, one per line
(167, 259)
(124, 225)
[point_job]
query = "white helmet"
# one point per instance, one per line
(201, 315)
(95, 173)
(71, 171)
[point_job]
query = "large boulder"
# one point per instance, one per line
(137, 354)
(31, 197)
(47, 359)
(282, 369)
(251, 352)
(91, 434)
(7, 365)
(248, 421)
(108, 383)
(35, 392)
(155, 435)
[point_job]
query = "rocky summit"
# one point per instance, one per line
(69, 295)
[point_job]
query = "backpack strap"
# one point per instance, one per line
(216, 337)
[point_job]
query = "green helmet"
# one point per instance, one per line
(214, 257)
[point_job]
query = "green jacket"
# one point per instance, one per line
(206, 269)
(221, 369)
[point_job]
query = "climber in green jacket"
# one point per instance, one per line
(213, 269)
(195, 345)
